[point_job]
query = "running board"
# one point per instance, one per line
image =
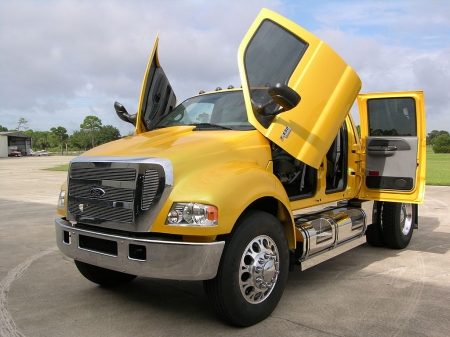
(322, 257)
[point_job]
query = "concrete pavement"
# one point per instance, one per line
(364, 292)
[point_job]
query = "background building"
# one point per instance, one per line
(14, 141)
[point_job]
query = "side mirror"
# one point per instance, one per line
(286, 97)
(282, 95)
(123, 114)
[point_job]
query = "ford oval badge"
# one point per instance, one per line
(97, 192)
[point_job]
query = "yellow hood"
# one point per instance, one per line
(182, 145)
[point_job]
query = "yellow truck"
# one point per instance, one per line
(236, 187)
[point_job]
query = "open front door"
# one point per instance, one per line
(276, 50)
(394, 146)
(157, 97)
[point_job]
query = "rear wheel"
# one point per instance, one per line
(252, 271)
(398, 224)
(102, 276)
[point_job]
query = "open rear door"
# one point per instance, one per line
(276, 50)
(393, 135)
(157, 97)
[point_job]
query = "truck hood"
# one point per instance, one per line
(181, 144)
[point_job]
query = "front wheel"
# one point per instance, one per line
(102, 276)
(398, 224)
(252, 272)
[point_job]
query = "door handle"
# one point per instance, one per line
(382, 148)
(385, 151)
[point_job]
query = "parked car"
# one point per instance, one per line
(15, 154)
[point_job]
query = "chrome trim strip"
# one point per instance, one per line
(165, 259)
(328, 254)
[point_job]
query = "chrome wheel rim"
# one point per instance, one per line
(259, 269)
(406, 218)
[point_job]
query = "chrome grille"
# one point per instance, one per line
(101, 212)
(102, 173)
(149, 189)
(117, 181)
(122, 193)
(111, 193)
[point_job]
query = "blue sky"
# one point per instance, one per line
(63, 60)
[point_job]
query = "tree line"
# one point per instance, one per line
(91, 133)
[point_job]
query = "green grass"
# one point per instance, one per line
(438, 168)
(58, 168)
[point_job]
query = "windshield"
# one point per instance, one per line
(220, 110)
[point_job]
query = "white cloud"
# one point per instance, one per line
(396, 46)
(62, 51)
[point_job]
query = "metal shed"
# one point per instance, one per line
(14, 141)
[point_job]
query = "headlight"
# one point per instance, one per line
(62, 195)
(192, 214)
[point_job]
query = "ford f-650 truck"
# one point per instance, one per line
(220, 187)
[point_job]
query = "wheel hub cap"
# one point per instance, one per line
(259, 269)
(406, 218)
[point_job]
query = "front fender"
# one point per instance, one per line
(231, 187)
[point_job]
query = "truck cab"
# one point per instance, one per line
(236, 187)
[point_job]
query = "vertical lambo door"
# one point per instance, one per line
(276, 53)
(157, 98)
(393, 137)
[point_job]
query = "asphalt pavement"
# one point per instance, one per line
(364, 292)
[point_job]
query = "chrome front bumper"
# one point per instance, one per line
(139, 256)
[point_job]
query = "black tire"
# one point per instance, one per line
(374, 233)
(236, 294)
(102, 276)
(398, 224)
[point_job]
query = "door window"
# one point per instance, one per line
(392, 116)
(270, 58)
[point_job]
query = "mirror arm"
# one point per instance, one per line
(132, 119)
(261, 109)
(273, 113)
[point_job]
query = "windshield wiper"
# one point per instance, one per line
(209, 126)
